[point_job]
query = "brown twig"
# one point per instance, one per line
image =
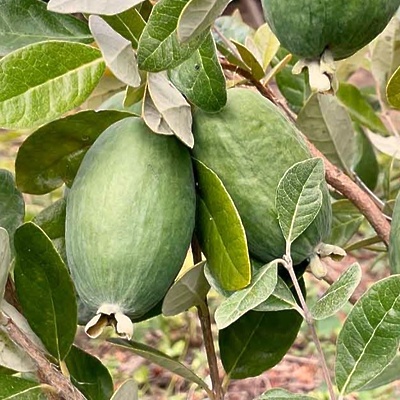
(47, 372)
(334, 176)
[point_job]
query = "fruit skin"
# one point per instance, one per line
(130, 217)
(307, 27)
(250, 145)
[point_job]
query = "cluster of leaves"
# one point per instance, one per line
(165, 56)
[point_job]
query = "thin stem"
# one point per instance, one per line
(310, 323)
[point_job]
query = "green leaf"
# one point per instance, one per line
(328, 126)
(390, 374)
(369, 340)
(299, 197)
(267, 44)
(127, 391)
(189, 290)
(359, 108)
(389, 145)
(338, 293)
(23, 22)
(174, 110)
(12, 387)
(52, 219)
(129, 24)
(242, 301)
(220, 232)
(89, 375)
(251, 61)
(197, 16)
(257, 341)
(281, 394)
(52, 154)
(45, 290)
(63, 76)
(346, 220)
(233, 27)
(103, 7)
(117, 51)
(5, 260)
(12, 204)
(201, 79)
(394, 238)
(160, 49)
(160, 359)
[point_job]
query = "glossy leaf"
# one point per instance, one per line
(103, 7)
(63, 77)
(390, 374)
(359, 108)
(368, 341)
(189, 290)
(52, 154)
(251, 61)
(338, 293)
(39, 269)
(160, 359)
(220, 232)
(299, 197)
(12, 387)
(127, 391)
(89, 375)
(394, 239)
(281, 394)
(12, 204)
(117, 51)
(172, 106)
(160, 49)
(129, 24)
(346, 221)
(389, 145)
(201, 79)
(328, 126)
(52, 219)
(5, 260)
(23, 22)
(242, 301)
(257, 341)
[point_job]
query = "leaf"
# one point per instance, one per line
(12, 387)
(257, 341)
(299, 197)
(267, 44)
(103, 7)
(389, 145)
(242, 301)
(45, 290)
(232, 27)
(393, 89)
(129, 24)
(368, 341)
(359, 108)
(394, 238)
(89, 375)
(220, 232)
(328, 126)
(23, 22)
(52, 154)
(197, 16)
(12, 204)
(201, 79)
(5, 260)
(52, 219)
(338, 293)
(172, 106)
(251, 61)
(188, 291)
(281, 394)
(388, 375)
(127, 391)
(346, 220)
(160, 359)
(160, 49)
(63, 76)
(117, 51)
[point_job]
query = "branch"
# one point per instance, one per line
(334, 176)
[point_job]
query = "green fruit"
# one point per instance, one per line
(250, 145)
(307, 28)
(116, 102)
(129, 219)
